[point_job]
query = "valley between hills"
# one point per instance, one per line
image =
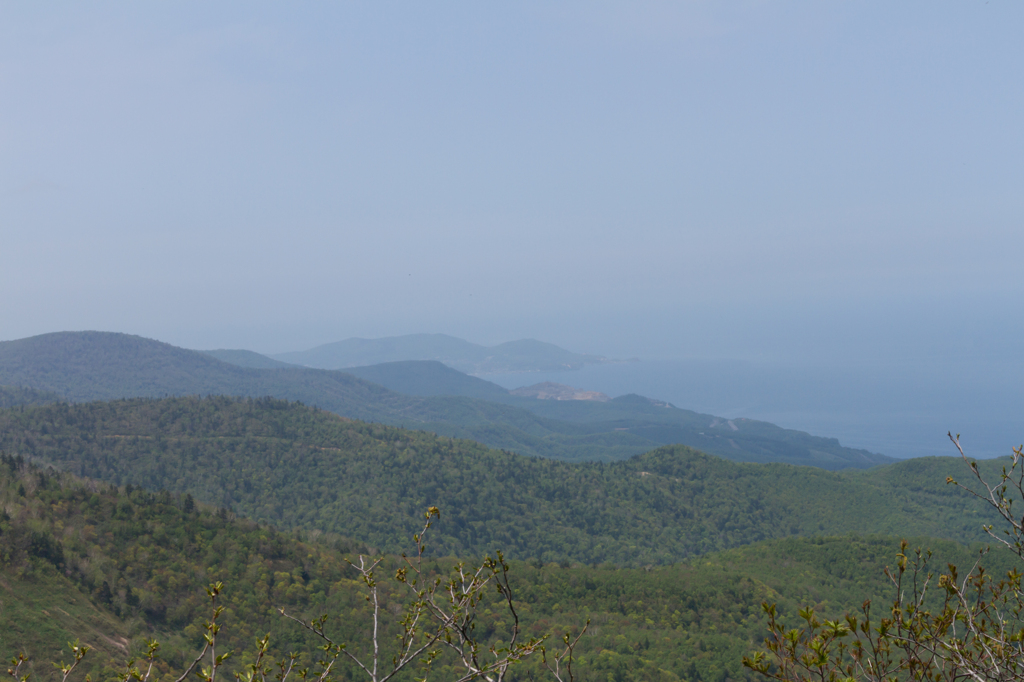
(134, 473)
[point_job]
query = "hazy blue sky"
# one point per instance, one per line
(749, 179)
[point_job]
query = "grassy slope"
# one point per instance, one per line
(297, 467)
(41, 611)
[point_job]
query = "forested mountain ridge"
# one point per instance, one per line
(113, 566)
(298, 467)
(101, 366)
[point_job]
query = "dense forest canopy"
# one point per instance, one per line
(112, 566)
(299, 467)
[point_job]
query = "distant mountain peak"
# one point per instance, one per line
(524, 355)
(634, 399)
(549, 390)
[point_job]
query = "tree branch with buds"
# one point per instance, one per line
(946, 627)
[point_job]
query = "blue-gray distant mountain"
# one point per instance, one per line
(18, 396)
(85, 366)
(526, 355)
(247, 358)
(623, 422)
(429, 378)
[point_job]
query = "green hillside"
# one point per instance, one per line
(113, 566)
(86, 561)
(102, 366)
(297, 467)
(41, 610)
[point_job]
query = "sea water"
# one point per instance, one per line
(901, 409)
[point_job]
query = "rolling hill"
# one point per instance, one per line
(82, 366)
(298, 467)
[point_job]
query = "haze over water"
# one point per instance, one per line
(892, 377)
(808, 213)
